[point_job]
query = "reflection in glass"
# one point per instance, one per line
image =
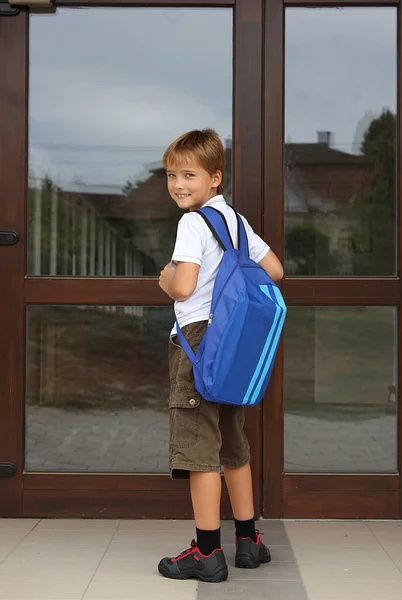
(97, 389)
(101, 116)
(340, 152)
(340, 389)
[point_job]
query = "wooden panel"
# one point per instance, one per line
(342, 292)
(338, 505)
(399, 255)
(337, 483)
(247, 166)
(78, 290)
(13, 123)
(273, 233)
(99, 482)
(109, 504)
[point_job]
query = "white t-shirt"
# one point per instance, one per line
(196, 244)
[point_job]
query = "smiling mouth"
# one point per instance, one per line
(182, 196)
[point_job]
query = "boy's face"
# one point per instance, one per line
(190, 185)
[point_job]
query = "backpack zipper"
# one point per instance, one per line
(211, 316)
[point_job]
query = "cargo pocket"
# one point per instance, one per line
(184, 418)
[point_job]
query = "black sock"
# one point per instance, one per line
(246, 529)
(208, 540)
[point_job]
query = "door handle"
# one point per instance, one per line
(8, 238)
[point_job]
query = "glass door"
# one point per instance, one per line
(99, 227)
(334, 192)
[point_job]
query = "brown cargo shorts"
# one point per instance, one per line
(203, 435)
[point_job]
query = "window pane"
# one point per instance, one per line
(101, 115)
(340, 389)
(97, 389)
(340, 152)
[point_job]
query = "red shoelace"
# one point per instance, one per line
(186, 552)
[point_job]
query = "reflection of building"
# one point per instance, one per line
(107, 230)
(321, 183)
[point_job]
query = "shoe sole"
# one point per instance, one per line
(248, 562)
(218, 577)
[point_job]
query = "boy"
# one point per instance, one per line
(205, 435)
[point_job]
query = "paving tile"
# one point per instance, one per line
(324, 526)
(133, 589)
(255, 589)
(139, 564)
(328, 555)
(42, 588)
(133, 539)
(384, 526)
(78, 525)
(102, 538)
(13, 524)
(389, 538)
(324, 538)
(354, 590)
(351, 572)
(395, 553)
(51, 560)
(156, 525)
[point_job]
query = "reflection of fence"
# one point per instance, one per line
(67, 237)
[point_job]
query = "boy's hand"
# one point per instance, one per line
(166, 277)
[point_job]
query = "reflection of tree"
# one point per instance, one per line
(309, 248)
(375, 210)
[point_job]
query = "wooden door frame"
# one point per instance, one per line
(316, 495)
(105, 495)
(13, 167)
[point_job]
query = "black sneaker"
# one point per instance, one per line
(191, 564)
(249, 554)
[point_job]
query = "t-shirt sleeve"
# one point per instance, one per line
(257, 247)
(190, 240)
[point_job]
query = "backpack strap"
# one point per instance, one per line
(216, 222)
(242, 239)
(184, 343)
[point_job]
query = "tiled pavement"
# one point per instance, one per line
(116, 560)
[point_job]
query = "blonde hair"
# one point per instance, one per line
(204, 145)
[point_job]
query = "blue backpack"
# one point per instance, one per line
(234, 361)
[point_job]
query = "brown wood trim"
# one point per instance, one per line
(103, 482)
(274, 234)
(111, 504)
(399, 252)
(149, 4)
(13, 168)
(342, 292)
(80, 290)
(247, 165)
(338, 505)
(340, 483)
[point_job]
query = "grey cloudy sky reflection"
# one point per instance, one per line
(340, 64)
(140, 77)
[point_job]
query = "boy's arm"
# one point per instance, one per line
(272, 265)
(180, 282)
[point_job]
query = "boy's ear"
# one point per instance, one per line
(217, 178)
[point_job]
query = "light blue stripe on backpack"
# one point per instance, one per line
(265, 289)
(282, 308)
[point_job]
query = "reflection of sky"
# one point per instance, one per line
(110, 88)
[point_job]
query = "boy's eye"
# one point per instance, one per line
(170, 175)
(189, 174)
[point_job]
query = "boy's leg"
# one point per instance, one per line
(240, 487)
(194, 453)
(206, 499)
(235, 456)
